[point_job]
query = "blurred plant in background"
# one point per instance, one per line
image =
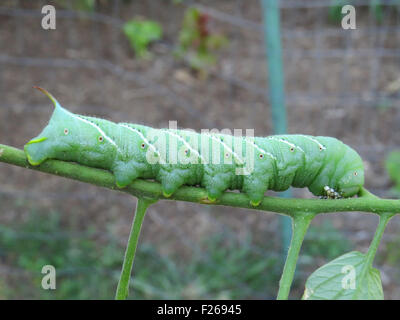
(325, 241)
(197, 43)
(223, 269)
(392, 165)
(88, 268)
(140, 34)
(80, 5)
(391, 254)
(83, 269)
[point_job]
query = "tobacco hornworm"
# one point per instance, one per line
(216, 162)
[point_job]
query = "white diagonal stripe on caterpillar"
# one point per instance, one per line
(261, 150)
(241, 162)
(97, 128)
(321, 146)
(143, 137)
(185, 143)
(287, 142)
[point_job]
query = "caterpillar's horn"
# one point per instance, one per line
(54, 100)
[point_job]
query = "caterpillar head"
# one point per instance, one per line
(342, 174)
(349, 175)
(353, 179)
(52, 138)
(67, 137)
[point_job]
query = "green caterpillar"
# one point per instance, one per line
(217, 162)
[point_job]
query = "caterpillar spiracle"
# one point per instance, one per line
(217, 162)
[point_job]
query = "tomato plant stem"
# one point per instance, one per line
(300, 225)
(123, 284)
(373, 247)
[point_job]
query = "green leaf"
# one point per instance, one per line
(348, 277)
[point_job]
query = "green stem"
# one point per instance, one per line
(373, 247)
(123, 284)
(364, 193)
(383, 221)
(300, 225)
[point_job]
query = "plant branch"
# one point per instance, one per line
(300, 225)
(373, 247)
(143, 188)
(383, 221)
(123, 284)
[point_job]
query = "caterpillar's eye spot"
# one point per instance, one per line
(291, 149)
(320, 148)
(355, 173)
(101, 139)
(227, 155)
(66, 131)
(142, 145)
(261, 156)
